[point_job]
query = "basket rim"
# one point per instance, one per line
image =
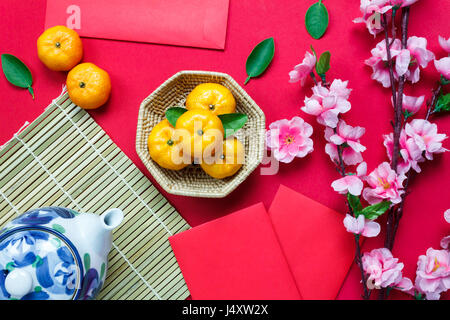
(143, 152)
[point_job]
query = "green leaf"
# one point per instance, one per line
(102, 271)
(58, 228)
(376, 210)
(172, 114)
(17, 73)
(323, 65)
(443, 103)
(313, 51)
(260, 58)
(232, 122)
(316, 20)
(354, 203)
(407, 114)
(87, 261)
(37, 262)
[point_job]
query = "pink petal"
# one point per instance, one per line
(351, 157)
(294, 76)
(354, 225)
(412, 104)
(445, 44)
(371, 229)
(447, 215)
(402, 62)
(355, 185)
(443, 66)
(337, 140)
(361, 170)
(340, 185)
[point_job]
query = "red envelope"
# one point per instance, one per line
(194, 23)
(234, 257)
(299, 249)
(317, 247)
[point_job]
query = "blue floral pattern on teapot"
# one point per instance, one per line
(41, 250)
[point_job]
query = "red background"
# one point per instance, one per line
(136, 69)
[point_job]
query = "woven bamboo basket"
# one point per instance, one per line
(193, 181)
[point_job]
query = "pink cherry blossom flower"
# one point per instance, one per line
(327, 104)
(384, 184)
(433, 273)
(379, 63)
(349, 155)
(371, 11)
(419, 56)
(384, 270)
(289, 139)
(347, 137)
(362, 226)
(444, 43)
(302, 70)
(410, 153)
(411, 104)
(426, 137)
(443, 67)
(351, 184)
(339, 88)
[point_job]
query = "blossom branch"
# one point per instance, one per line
(358, 256)
(384, 24)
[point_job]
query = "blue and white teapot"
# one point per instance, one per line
(55, 253)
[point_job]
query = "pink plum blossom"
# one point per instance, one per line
(410, 153)
(419, 56)
(426, 137)
(384, 270)
(351, 183)
(444, 43)
(433, 273)
(378, 61)
(443, 67)
(349, 155)
(411, 104)
(362, 226)
(371, 11)
(346, 134)
(384, 184)
(347, 137)
(339, 89)
(302, 70)
(327, 104)
(289, 139)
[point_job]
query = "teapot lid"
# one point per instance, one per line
(38, 263)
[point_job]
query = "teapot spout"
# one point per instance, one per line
(112, 219)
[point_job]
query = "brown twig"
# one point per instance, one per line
(389, 57)
(358, 256)
(398, 213)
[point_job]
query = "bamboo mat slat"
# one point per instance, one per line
(64, 158)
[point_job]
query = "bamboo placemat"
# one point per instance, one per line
(64, 158)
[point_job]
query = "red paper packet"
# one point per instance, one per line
(194, 23)
(299, 249)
